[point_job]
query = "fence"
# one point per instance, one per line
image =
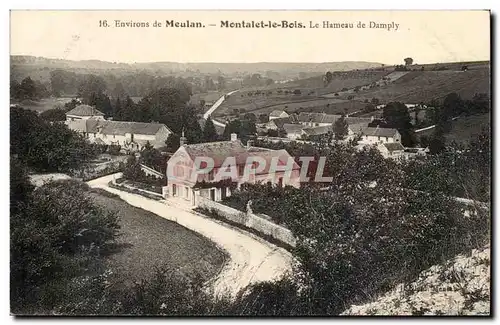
(250, 220)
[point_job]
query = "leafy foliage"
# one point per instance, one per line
(54, 237)
(44, 146)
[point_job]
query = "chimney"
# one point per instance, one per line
(182, 140)
(234, 137)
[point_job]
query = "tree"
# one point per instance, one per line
(369, 108)
(341, 128)
(91, 85)
(263, 118)
(328, 77)
(67, 229)
(117, 110)
(437, 141)
(221, 82)
(53, 115)
(44, 146)
(173, 142)
(209, 131)
(102, 102)
(250, 117)
(408, 61)
(396, 116)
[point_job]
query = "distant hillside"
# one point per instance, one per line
(23, 66)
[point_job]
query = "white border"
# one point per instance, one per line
(189, 4)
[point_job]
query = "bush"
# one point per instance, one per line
(56, 236)
(114, 149)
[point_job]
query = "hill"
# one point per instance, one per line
(23, 66)
(464, 128)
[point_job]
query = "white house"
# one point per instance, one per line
(277, 114)
(391, 150)
(370, 135)
(84, 112)
(131, 136)
(293, 131)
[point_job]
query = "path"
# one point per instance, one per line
(215, 106)
(251, 259)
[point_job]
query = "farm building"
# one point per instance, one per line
(277, 114)
(131, 136)
(84, 112)
(293, 131)
(377, 135)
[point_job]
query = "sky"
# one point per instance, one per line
(426, 36)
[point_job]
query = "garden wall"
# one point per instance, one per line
(250, 220)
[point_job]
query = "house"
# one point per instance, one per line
(317, 132)
(293, 131)
(188, 181)
(377, 135)
(316, 119)
(391, 150)
(131, 136)
(277, 123)
(84, 112)
(323, 119)
(277, 114)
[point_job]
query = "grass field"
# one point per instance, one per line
(211, 96)
(465, 128)
(148, 241)
(44, 104)
(418, 86)
(340, 80)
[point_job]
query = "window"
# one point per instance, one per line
(211, 175)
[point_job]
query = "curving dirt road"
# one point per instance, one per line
(215, 106)
(251, 259)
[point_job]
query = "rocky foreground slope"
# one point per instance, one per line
(461, 286)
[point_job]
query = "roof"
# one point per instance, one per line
(84, 110)
(379, 132)
(318, 130)
(317, 117)
(394, 146)
(115, 127)
(219, 151)
(219, 129)
(293, 128)
(277, 113)
(279, 121)
(330, 118)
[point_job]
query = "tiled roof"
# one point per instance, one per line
(330, 118)
(318, 130)
(279, 121)
(84, 110)
(115, 127)
(276, 113)
(379, 132)
(219, 151)
(293, 128)
(394, 146)
(317, 117)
